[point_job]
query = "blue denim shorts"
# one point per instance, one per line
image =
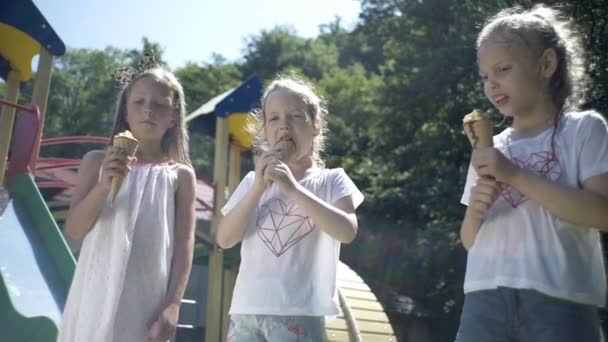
(267, 328)
(513, 315)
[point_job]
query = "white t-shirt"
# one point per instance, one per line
(522, 245)
(288, 265)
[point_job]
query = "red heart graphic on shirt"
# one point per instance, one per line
(280, 227)
(541, 163)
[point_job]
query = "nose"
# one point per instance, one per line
(491, 84)
(284, 123)
(147, 110)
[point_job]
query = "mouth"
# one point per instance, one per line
(284, 148)
(151, 123)
(285, 138)
(500, 100)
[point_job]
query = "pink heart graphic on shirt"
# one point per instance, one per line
(543, 164)
(280, 227)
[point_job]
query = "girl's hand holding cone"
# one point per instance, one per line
(114, 165)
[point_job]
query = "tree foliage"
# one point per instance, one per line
(397, 87)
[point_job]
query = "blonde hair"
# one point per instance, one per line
(316, 109)
(539, 29)
(175, 141)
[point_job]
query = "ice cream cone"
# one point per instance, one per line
(478, 127)
(126, 141)
(285, 149)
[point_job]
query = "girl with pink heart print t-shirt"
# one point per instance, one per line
(291, 215)
(538, 199)
(527, 237)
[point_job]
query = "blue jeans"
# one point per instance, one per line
(513, 315)
(266, 328)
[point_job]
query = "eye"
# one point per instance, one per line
(504, 69)
(161, 105)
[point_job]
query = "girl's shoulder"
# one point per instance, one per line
(183, 170)
(335, 172)
(91, 161)
(581, 123)
(94, 156)
(585, 117)
(331, 175)
(185, 176)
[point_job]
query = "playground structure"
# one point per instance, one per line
(36, 265)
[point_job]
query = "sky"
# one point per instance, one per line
(188, 30)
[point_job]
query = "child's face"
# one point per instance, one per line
(285, 117)
(150, 109)
(510, 76)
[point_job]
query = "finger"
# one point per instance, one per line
(165, 334)
(479, 206)
(270, 175)
(269, 154)
(488, 189)
(263, 162)
(113, 174)
(484, 171)
(116, 160)
(484, 198)
(110, 150)
(487, 181)
(267, 174)
(280, 163)
(154, 331)
(117, 152)
(116, 166)
(272, 164)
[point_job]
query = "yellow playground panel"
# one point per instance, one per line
(24, 33)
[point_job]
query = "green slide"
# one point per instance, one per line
(36, 266)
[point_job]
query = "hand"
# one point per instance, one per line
(483, 194)
(162, 327)
(279, 172)
(114, 164)
(490, 162)
(260, 182)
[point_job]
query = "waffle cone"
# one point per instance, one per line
(128, 143)
(479, 129)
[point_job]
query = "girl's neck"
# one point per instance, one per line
(301, 168)
(536, 120)
(147, 153)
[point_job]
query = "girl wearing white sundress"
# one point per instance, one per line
(136, 255)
